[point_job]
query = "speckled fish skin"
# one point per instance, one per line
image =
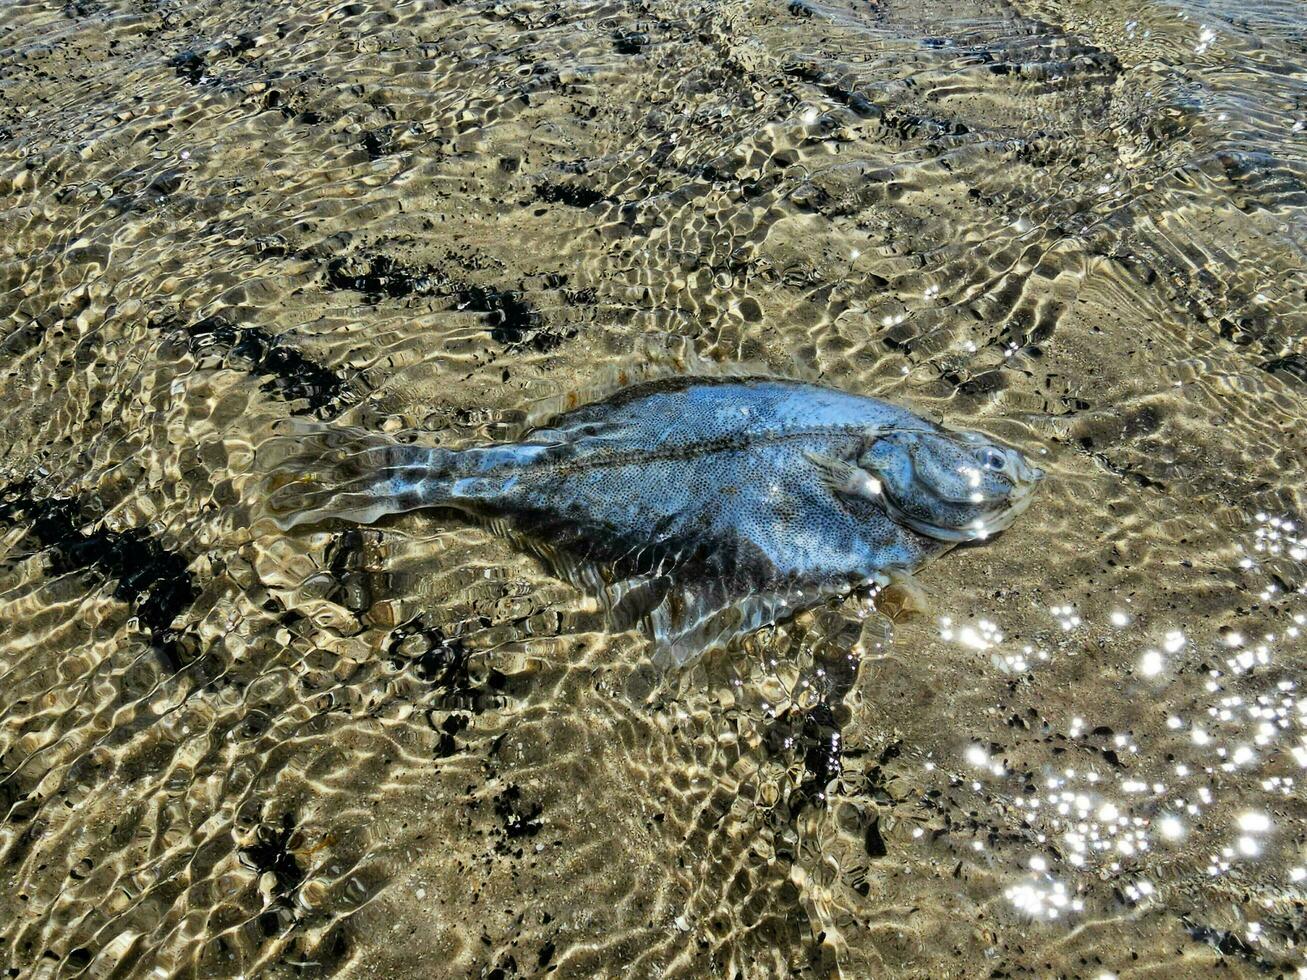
(742, 495)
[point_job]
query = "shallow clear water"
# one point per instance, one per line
(405, 750)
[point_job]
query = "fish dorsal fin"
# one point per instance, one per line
(652, 360)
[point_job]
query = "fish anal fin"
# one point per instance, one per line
(699, 617)
(693, 620)
(684, 615)
(630, 601)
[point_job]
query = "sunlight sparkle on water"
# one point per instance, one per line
(1044, 897)
(1066, 615)
(983, 636)
(1254, 823)
(1230, 716)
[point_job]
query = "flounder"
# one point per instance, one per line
(706, 508)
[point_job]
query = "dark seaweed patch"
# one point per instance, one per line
(192, 66)
(1290, 367)
(443, 663)
(873, 840)
(189, 66)
(569, 194)
(271, 853)
(270, 247)
(152, 580)
(817, 733)
(903, 125)
(580, 297)
(345, 559)
(1047, 54)
(1229, 944)
(1119, 469)
(1088, 63)
(846, 97)
(1260, 181)
(377, 143)
(546, 954)
(24, 338)
(520, 821)
(438, 660)
(290, 374)
(822, 744)
(15, 804)
(377, 276)
(630, 42)
(74, 9)
(447, 744)
(910, 126)
(512, 320)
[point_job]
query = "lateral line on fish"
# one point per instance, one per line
(697, 448)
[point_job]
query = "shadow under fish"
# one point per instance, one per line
(702, 508)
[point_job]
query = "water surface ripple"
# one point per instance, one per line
(406, 750)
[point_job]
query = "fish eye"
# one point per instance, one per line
(993, 460)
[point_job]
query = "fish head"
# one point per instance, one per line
(950, 486)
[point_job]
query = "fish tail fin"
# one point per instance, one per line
(316, 472)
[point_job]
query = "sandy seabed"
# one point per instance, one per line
(406, 750)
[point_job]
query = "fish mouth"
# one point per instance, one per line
(1020, 501)
(1018, 504)
(1029, 477)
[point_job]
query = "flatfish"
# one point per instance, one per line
(703, 508)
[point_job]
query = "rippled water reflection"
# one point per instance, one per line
(405, 750)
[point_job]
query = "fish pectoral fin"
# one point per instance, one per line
(844, 477)
(903, 598)
(849, 624)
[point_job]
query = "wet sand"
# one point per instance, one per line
(406, 750)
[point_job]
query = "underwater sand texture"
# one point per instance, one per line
(408, 751)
